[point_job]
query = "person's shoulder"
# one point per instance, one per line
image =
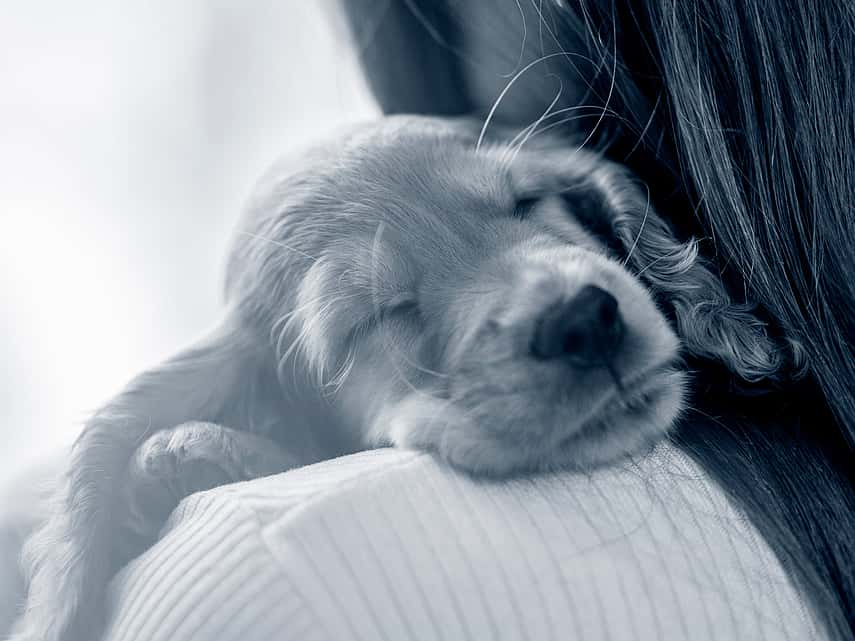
(388, 539)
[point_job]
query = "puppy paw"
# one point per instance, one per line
(419, 421)
(194, 457)
(423, 422)
(179, 454)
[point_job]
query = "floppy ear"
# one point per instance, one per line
(709, 322)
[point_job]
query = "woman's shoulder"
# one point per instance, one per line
(392, 544)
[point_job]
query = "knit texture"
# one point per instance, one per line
(392, 545)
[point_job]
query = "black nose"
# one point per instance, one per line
(587, 329)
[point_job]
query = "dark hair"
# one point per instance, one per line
(743, 112)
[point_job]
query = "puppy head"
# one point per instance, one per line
(501, 306)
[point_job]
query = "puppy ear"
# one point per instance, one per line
(709, 323)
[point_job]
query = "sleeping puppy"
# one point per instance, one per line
(510, 304)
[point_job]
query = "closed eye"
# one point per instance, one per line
(586, 207)
(404, 305)
(401, 307)
(591, 211)
(524, 206)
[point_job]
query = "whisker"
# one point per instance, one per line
(601, 108)
(563, 121)
(510, 84)
(558, 123)
(426, 370)
(533, 127)
(557, 112)
(278, 244)
(522, 44)
(611, 85)
(538, 6)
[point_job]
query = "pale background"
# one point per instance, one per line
(130, 133)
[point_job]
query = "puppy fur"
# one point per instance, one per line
(382, 290)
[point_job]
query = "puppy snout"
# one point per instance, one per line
(587, 330)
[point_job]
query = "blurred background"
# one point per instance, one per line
(130, 134)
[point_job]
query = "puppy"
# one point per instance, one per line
(511, 304)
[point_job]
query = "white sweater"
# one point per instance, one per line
(391, 545)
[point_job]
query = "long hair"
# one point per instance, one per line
(740, 116)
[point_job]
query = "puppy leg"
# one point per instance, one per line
(194, 457)
(226, 378)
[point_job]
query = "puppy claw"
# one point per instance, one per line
(155, 459)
